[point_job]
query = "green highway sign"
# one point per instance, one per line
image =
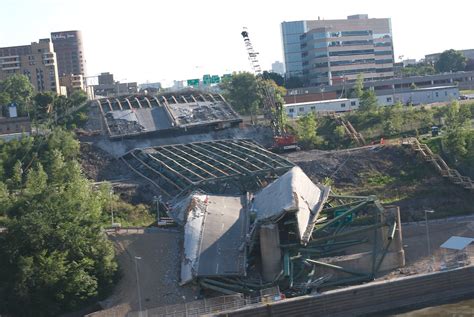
(215, 79)
(193, 82)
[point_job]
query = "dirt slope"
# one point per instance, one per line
(393, 173)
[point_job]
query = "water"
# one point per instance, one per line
(460, 309)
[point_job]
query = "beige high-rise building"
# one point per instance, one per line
(327, 52)
(72, 83)
(37, 61)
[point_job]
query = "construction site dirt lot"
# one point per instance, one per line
(159, 250)
(393, 173)
(415, 242)
(158, 262)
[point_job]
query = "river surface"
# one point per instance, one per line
(460, 309)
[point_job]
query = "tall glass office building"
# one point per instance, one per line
(290, 34)
(325, 52)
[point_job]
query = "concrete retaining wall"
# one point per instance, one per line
(377, 297)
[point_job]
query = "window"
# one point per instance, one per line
(437, 94)
(291, 110)
(356, 33)
(384, 61)
(381, 44)
(353, 52)
(377, 53)
(343, 105)
(389, 99)
(353, 62)
(313, 107)
(353, 103)
(301, 109)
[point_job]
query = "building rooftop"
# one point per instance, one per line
(315, 102)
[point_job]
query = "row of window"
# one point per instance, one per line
(350, 43)
(384, 61)
(378, 53)
(352, 52)
(352, 72)
(312, 108)
(384, 70)
(381, 44)
(351, 33)
(353, 62)
(348, 62)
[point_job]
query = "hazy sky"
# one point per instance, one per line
(151, 40)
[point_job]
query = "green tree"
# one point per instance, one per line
(420, 69)
(54, 255)
(294, 82)
(455, 140)
(4, 98)
(36, 181)
(457, 116)
(17, 175)
(277, 78)
(393, 119)
(78, 97)
(368, 101)
(241, 91)
(359, 86)
(19, 90)
(306, 131)
(451, 61)
(43, 104)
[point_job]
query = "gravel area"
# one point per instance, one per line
(158, 269)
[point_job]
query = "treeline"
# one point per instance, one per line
(42, 107)
(455, 143)
(54, 255)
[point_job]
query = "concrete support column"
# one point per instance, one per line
(270, 252)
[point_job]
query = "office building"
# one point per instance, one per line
(69, 53)
(109, 87)
(37, 61)
(72, 83)
(325, 52)
(106, 79)
(278, 68)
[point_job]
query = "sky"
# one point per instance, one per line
(162, 41)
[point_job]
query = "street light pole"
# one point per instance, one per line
(138, 285)
(428, 234)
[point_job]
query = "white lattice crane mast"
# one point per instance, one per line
(270, 107)
(272, 110)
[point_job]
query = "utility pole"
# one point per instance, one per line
(138, 285)
(428, 238)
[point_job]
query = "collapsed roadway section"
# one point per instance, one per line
(135, 115)
(253, 220)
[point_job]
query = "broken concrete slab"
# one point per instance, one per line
(293, 192)
(214, 236)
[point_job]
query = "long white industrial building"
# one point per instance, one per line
(411, 96)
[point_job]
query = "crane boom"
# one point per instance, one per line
(270, 107)
(272, 110)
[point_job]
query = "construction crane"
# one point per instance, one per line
(272, 110)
